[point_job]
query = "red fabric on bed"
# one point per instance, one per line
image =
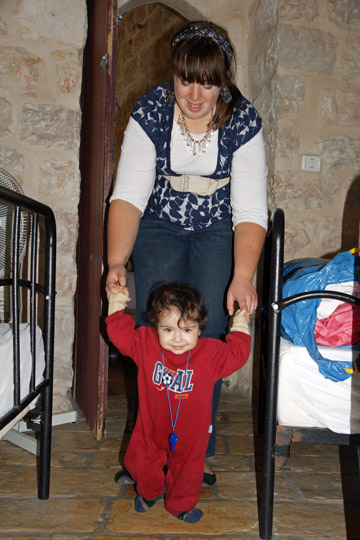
(340, 328)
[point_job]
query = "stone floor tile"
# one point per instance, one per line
(96, 537)
(320, 486)
(236, 428)
(86, 441)
(208, 537)
(106, 460)
(14, 455)
(235, 403)
(31, 537)
(220, 446)
(71, 514)
(79, 425)
(83, 482)
(313, 464)
(16, 481)
(310, 520)
(240, 445)
(220, 517)
(285, 488)
(239, 416)
(72, 460)
(230, 463)
(235, 485)
(66, 441)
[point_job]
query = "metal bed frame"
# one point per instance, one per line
(41, 417)
(277, 439)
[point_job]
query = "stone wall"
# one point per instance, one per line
(41, 46)
(298, 60)
(304, 74)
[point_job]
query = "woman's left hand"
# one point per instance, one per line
(242, 291)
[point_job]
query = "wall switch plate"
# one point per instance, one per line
(311, 163)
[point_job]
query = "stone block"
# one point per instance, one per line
(298, 9)
(341, 108)
(340, 151)
(52, 21)
(5, 116)
(302, 191)
(52, 126)
(59, 183)
(330, 233)
(13, 162)
(68, 72)
(3, 28)
(350, 65)
(297, 237)
(19, 69)
(345, 14)
(66, 274)
(66, 223)
(287, 146)
(306, 49)
(288, 92)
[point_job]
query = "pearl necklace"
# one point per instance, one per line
(196, 147)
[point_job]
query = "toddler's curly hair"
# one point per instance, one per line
(184, 297)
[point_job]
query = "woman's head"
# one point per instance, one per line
(202, 54)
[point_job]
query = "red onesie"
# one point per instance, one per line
(149, 448)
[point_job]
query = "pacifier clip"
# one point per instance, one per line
(173, 437)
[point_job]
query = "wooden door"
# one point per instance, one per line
(96, 164)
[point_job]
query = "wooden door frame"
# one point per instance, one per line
(96, 165)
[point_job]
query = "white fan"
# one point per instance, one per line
(6, 231)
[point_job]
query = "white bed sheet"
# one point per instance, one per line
(307, 399)
(6, 363)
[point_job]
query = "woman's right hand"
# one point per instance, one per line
(116, 276)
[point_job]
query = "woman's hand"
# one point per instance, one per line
(242, 291)
(116, 277)
(248, 243)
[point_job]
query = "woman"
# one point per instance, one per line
(189, 203)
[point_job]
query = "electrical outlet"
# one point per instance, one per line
(311, 163)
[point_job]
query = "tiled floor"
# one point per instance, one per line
(86, 503)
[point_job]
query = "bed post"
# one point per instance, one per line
(49, 324)
(271, 372)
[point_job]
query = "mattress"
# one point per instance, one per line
(6, 363)
(308, 399)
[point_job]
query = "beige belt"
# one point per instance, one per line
(200, 185)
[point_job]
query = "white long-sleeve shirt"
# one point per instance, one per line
(248, 185)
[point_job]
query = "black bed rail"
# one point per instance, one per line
(269, 368)
(34, 210)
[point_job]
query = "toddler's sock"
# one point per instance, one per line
(190, 516)
(141, 504)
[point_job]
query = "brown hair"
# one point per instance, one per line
(184, 297)
(198, 58)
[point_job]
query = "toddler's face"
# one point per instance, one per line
(175, 335)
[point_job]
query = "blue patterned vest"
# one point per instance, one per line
(190, 211)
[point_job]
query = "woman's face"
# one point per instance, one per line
(196, 101)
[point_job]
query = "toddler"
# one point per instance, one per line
(177, 370)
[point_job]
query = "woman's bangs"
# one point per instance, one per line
(202, 67)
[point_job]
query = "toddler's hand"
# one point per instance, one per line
(118, 300)
(241, 321)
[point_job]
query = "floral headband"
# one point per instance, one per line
(205, 32)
